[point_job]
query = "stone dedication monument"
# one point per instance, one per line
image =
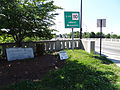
(19, 53)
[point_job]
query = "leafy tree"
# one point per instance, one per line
(114, 36)
(92, 35)
(4, 38)
(76, 34)
(86, 35)
(118, 36)
(70, 35)
(100, 34)
(27, 18)
(108, 36)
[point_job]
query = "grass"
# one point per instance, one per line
(82, 71)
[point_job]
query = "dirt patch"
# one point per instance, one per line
(33, 69)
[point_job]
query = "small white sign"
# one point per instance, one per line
(75, 16)
(19, 53)
(99, 22)
(63, 55)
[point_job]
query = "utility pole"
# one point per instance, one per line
(81, 20)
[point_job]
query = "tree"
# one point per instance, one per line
(108, 35)
(27, 18)
(70, 35)
(100, 34)
(76, 34)
(118, 37)
(86, 35)
(92, 35)
(114, 36)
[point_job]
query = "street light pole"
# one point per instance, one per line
(81, 20)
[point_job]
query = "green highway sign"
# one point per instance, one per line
(72, 19)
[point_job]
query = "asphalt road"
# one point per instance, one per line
(112, 48)
(109, 49)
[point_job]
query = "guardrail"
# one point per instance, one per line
(52, 45)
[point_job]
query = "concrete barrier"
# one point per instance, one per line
(88, 46)
(53, 45)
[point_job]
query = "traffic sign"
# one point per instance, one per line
(72, 19)
(99, 24)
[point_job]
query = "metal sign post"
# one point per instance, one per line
(72, 39)
(101, 23)
(100, 36)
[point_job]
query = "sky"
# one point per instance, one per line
(92, 10)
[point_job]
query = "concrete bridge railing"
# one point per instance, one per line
(53, 45)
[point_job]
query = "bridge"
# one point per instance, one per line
(110, 48)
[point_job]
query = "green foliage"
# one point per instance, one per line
(114, 36)
(27, 18)
(118, 36)
(99, 34)
(27, 39)
(82, 71)
(94, 35)
(86, 35)
(76, 34)
(6, 39)
(108, 36)
(70, 35)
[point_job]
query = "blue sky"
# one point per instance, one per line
(92, 10)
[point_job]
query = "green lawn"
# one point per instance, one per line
(82, 71)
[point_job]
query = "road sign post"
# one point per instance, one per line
(72, 20)
(101, 23)
(100, 36)
(72, 39)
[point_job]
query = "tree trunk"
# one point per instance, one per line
(18, 44)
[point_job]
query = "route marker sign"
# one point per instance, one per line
(101, 23)
(72, 19)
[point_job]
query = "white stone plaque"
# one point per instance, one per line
(63, 55)
(19, 53)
